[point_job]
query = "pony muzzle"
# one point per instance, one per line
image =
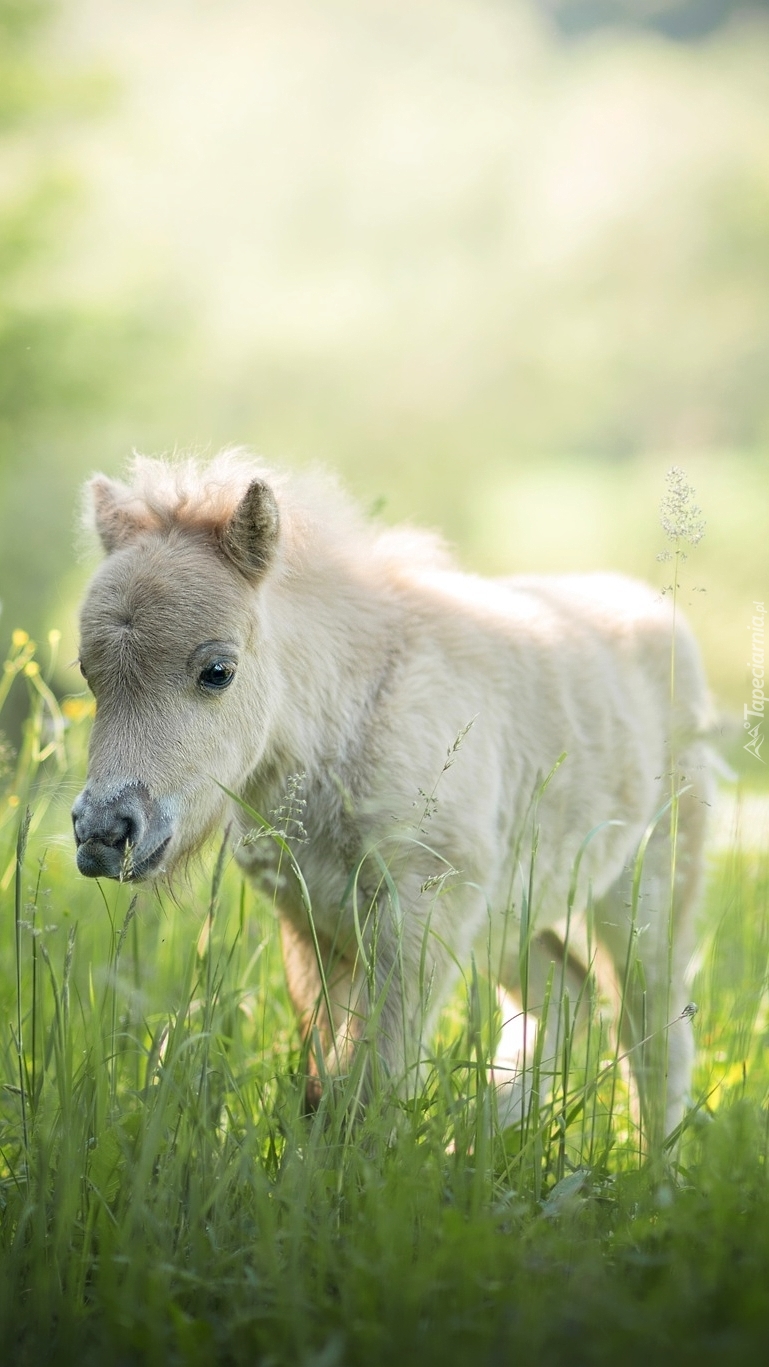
(122, 836)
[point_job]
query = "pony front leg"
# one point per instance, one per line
(359, 1004)
(322, 994)
(386, 980)
(396, 984)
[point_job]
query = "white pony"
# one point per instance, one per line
(458, 746)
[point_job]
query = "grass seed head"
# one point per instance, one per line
(681, 519)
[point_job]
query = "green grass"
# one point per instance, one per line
(163, 1199)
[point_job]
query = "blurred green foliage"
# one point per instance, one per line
(62, 365)
(526, 278)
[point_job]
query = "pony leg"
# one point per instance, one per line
(311, 1003)
(650, 958)
(410, 947)
(512, 1073)
(372, 1002)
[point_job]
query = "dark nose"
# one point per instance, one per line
(106, 831)
(115, 828)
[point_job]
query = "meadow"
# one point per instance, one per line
(500, 279)
(163, 1199)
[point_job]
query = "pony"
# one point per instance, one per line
(465, 759)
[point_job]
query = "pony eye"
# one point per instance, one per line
(217, 675)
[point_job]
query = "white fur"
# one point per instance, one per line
(367, 654)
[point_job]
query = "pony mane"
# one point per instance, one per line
(202, 495)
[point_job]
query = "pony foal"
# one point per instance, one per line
(252, 632)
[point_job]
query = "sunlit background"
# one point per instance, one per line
(501, 263)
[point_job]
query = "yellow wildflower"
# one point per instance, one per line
(76, 709)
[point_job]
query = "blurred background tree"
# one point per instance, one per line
(63, 366)
(499, 262)
(684, 20)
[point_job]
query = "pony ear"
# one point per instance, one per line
(251, 535)
(113, 518)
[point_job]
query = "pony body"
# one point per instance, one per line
(250, 631)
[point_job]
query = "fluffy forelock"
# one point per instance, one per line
(190, 492)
